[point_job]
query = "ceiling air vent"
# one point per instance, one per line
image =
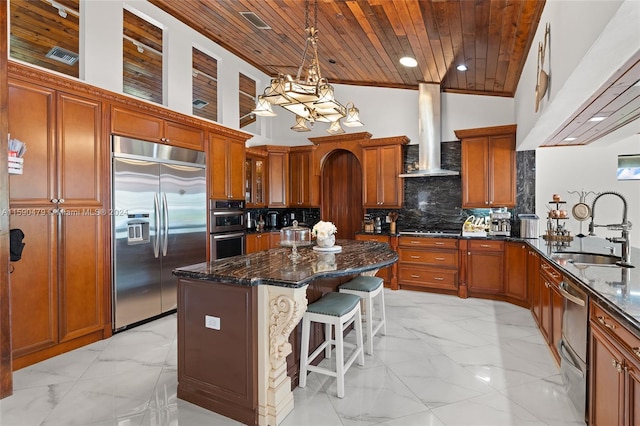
(63, 55)
(199, 103)
(255, 20)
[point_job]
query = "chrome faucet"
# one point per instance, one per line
(624, 226)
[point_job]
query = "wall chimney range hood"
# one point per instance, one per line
(429, 133)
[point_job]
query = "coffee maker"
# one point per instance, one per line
(273, 219)
(500, 220)
(287, 219)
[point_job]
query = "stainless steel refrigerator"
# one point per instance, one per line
(159, 212)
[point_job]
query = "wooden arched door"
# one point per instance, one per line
(342, 193)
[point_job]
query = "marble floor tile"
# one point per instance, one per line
(444, 361)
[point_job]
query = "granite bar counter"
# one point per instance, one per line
(235, 316)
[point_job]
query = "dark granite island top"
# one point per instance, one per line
(235, 318)
(274, 267)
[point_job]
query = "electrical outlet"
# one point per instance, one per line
(212, 322)
(388, 219)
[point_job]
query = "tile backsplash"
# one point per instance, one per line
(435, 202)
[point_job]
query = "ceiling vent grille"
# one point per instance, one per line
(63, 55)
(255, 20)
(199, 103)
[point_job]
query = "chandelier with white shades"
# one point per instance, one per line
(310, 97)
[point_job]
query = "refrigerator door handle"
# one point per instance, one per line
(156, 206)
(165, 219)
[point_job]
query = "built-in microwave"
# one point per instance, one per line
(226, 216)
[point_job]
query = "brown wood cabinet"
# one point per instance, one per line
(614, 379)
(226, 160)
(552, 306)
(256, 178)
(428, 263)
(516, 255)
(278, 172)
(533, 284)
(488, 167)
(144, 126)
(381, 166)
(304, 182)
(58, 294)
(262, 241)
(485, 267)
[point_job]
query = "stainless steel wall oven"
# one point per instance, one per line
(226, 228)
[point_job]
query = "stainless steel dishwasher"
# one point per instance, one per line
(573, 345)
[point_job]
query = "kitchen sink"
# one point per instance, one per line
(586, 258)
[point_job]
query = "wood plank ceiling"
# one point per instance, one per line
(361, 41)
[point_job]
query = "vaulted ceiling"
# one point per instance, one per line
(361, 41)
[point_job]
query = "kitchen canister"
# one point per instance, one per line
(529, 225)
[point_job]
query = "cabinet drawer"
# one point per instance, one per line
(428, 277)
(486, 245)
(448, 259)
(613, 328)
(550, 273)
(443, 243)
(378, 238)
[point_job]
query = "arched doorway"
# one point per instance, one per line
(342, 193)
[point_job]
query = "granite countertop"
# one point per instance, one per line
(274, 267)
(617, 288)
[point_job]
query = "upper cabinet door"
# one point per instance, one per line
(488, 167)
(80, 151)
(136, 125)
(381, 169)
(226, 165)
(475, 173)
(32, 120)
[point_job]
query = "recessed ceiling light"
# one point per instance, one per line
(408, 61)
(570, 139)
(462, 67)
(597, 118)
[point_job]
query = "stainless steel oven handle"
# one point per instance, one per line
(227, 236)
(156, 206)
(562, 287)
(228, 213)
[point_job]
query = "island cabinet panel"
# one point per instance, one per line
(614, 379)
(278, 172)
(381, 166)
(385, 273)
(133, 124)
(488, 167)
(430, 263)
(217, 348)
(485, 267)
(58, 290)
(226, 161)
(516, 256)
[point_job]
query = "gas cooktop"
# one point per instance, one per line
(429, 232)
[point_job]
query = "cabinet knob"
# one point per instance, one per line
(636, 350)
(61, 200)
(54, 200)
(438, 278)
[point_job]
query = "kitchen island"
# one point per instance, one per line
(235, 316)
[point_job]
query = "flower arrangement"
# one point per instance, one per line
(322, 230)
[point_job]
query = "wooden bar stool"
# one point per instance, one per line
(369, 288)
(338, 310)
